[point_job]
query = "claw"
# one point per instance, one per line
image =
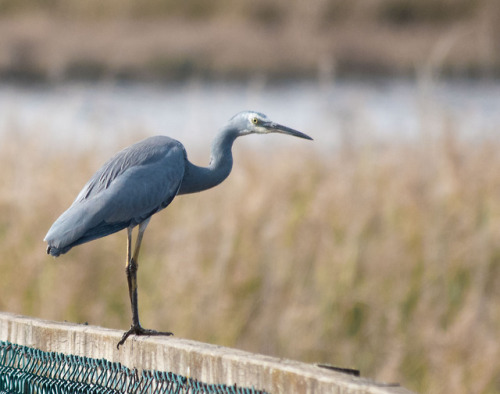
(138, 330)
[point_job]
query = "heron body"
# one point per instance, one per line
(133, 185)
(141, 180)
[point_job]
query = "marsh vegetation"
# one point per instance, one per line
(377, 247)
(380, 256)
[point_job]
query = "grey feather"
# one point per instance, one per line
(144, 178)
(133, 185)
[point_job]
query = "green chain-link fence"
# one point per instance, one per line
(28, 370)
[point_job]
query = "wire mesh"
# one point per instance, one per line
(28, 370)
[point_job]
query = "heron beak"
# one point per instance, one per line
(277, 128)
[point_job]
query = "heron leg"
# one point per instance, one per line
(131, 268)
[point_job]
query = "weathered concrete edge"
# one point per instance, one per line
(205, 362)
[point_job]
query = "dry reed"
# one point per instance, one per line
(383, 257)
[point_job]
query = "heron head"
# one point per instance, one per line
(250, 122)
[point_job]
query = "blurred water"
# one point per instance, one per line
(110, 115)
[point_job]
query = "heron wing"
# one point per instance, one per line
(133, 185)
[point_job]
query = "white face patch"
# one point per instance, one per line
(250, 122)
(256, 119)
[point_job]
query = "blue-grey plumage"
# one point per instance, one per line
(134, 184)
(141, 180)
(144, 178)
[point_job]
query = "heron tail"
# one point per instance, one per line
(53, 251)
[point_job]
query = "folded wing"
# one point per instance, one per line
(133, 185)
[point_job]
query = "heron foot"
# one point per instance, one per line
(138, 330)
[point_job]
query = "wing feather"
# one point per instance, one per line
(133, 185)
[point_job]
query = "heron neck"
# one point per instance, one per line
(198, 178)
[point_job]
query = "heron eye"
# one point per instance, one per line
(255, 120)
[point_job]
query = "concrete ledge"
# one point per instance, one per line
(207, 363)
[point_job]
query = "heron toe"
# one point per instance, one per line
(138, 330)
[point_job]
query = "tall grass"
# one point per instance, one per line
(383, 257)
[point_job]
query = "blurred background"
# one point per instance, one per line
(375, 247)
